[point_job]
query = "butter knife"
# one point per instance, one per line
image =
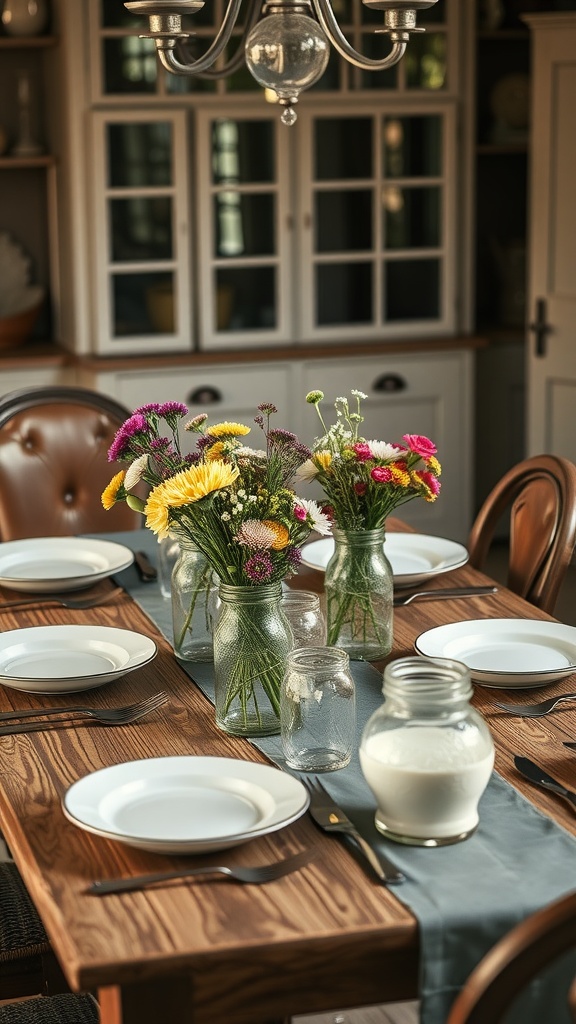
(331, 818)
(539, 777)
(144, 567)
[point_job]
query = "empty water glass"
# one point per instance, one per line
(168, 551)
(303, 611)
(317, 709)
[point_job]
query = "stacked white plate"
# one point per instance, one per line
(185, 805)
(42, 565)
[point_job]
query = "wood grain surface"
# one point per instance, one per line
(325, 937)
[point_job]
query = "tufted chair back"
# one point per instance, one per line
(54, 463)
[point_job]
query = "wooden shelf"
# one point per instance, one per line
(13, 163)
(26, 42)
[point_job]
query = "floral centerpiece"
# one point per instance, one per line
(364, 481)
(237, 505)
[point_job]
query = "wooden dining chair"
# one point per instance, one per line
(540, 496)
(54, 465)
(516, 960)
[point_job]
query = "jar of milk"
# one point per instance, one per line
(427, 754)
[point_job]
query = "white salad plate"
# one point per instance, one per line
(185, 804)
(41, 565)
(67, 659)
(414, 557)
(505, 653)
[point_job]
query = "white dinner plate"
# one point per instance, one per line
(41, 565)
(185, 804)
(505, 653)
(414, 557)
(66, 659)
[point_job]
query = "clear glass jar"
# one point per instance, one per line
(192, 577)
(427, 754)
(359, 587)
(318, 709)
(168, 551)
(303, 611)
(252, 640)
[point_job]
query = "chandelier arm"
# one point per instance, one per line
(328, 21)
(170, 62)
(237, 60)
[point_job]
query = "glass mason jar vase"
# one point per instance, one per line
(252, 640)
(426, 754)
(303, 611)
(318, 709)
(192, 578)
(359, 591)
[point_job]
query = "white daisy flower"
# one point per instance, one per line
(307, 471)
(383, 450)
(135, 471)
(319, 520)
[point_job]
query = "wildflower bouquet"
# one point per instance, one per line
(237, 505)
(364, 482)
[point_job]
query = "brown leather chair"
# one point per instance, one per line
(514, 961)
(540, 493)
(54, 463)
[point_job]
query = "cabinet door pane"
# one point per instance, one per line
(412, 289)
(411, 217)
(343, 293)
(245, 298)
(343, 148)
(244, 224)
(130, 65)
(427, 62)
(143, 304)
(141, 228)
(139, 154)
(343, 221)
(412, 146)
(242, 151)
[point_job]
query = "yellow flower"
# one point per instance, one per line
(110, 493)
(281, 535)
(156, 512)
(215, 451)
(185, 488)
(225, 429)
(434, 466)
(400, 477)
(322, 459)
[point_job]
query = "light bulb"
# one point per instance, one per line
(287, 52)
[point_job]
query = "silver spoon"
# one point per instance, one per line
(439, 595)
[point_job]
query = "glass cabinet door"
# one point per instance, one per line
(377, 223)
(141, 224)
(244, 230)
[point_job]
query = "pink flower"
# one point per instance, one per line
(300, 513)
(381, 474)
(360, 488)
(362, 451)
(430, 481)
(420, 445)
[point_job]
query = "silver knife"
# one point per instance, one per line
(539, 777)
(331, 818)
(145, 569)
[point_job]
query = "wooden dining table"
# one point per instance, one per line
(328, 936)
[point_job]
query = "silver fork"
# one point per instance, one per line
(110, 716)
(251, 876)
(54, 600)
(535, 710)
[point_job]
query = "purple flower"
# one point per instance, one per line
(136, 424)
(259, 567)
(172, 409)
(267, 408)
(293, 557)
(152, 407)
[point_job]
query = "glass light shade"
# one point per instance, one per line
(287, 53)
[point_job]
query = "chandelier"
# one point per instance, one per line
(286, 51)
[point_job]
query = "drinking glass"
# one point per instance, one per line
(303, 611)
(317, 709)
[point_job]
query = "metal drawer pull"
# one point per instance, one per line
(390, 382)
(204, 395)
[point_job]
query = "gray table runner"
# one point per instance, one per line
(464, 896)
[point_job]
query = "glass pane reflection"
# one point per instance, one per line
(411, 217)
(413, 146)
(143, 304)
(426, 61)
(343, 148)
(130, 65)
(245, 298)
(343, 220)
(343, 293)
(242, 151)
(141, 228)
(412, 289)
(139, 154)
(244, 224)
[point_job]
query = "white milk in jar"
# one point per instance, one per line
(426, 754)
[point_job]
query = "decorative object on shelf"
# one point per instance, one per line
(25, 145)
(192, 581)
(426, 753)
(510, 104)
(236, 504)
(286, 51)
(20, 302)
(364, 482)
(25, 17)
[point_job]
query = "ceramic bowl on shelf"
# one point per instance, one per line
(16, 327)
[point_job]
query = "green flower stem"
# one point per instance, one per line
(347, 607)
(203, 587)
